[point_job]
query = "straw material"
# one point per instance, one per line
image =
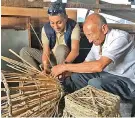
(91, 102)
(33, 94)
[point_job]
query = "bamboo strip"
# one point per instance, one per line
(3, 89)
(38, 101)
(18, 80)
(41, 45)
(8, 94)
(37, 91)
(10, 73)
(33, 87)
(5, 115)
(4, 107)
(18, 95)
(28, 70)
(28, 80)
(4, 102)
(20, 68)
(42, 113)
(26, 114)
(53, 111)
(97, 99)
(30, 103)
(14, 62)
(36, 35)
(16, 69)
(12, 77)
(30, 107)
(93, 101)
(23, 60)
(26, 94)
(28, 83)
(32, 97)
(40, 75)
(11, 61)
(28, 98)
(45, 106)
(99, 95)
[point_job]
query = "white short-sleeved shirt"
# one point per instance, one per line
(119, 46)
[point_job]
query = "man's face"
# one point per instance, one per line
(58, 23)
(94, 33)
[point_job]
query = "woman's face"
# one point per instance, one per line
(58, 23)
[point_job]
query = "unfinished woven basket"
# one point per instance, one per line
(91, 102)
(35, 94)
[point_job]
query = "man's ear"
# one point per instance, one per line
(105, 28)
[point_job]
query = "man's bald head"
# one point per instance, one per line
(95, 19)
(95, 28)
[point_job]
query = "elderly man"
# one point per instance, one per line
(111, 60)
(60, 38)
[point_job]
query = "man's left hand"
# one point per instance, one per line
(58, 69)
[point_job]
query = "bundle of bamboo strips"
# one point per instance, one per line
(91, 102)
(34, 95)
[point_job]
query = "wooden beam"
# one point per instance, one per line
(14, 22)
(128, 15)
(16, 11)
(110, 7)
(41, 4)
(127, 27)
(32, 12)
(25, 3)
(21, 22)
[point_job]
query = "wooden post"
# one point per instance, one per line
(97, 10)
(29, 31)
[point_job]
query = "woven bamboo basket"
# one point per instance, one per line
(34, 94)
(91, 102)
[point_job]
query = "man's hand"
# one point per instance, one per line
(45, 69)
(58, 69)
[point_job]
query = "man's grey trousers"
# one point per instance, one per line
(34, 56)
(121, 86)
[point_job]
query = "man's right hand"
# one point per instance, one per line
(46, 70)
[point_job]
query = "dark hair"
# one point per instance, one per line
(57, 8)
(102, 20)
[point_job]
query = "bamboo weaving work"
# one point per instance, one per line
(91, 102)
(34, 93)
